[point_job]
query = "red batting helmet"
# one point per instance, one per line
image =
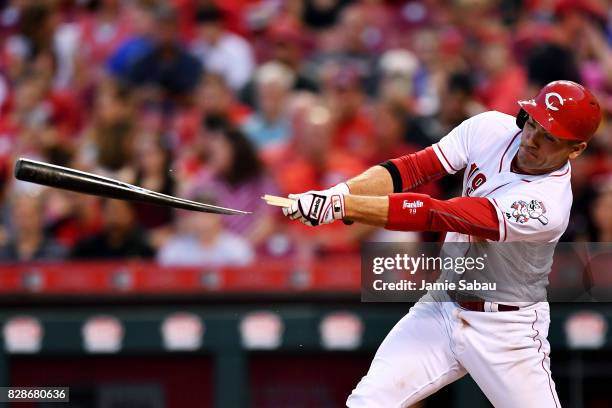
(566, 110)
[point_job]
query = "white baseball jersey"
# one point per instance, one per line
(530, 209)
(505, 352)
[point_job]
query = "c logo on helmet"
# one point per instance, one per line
(549, 105)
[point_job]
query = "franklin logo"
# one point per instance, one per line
(316, 206)
(412, 204)
(548, 102)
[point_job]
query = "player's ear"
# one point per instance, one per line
(576, 149)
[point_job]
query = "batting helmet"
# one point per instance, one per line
(566, 110)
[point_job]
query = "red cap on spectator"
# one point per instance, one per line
(285, 30)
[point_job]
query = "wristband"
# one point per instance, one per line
(408, 212)
(343, 189)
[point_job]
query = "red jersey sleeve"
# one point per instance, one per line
(466, 215)
(413, 170)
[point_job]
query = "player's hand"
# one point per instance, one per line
(318, 207)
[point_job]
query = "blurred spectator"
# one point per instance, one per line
(575, 17)
(153, 173)
(203, 241)
(550, 62)
(459, 103)
(298, 107)
(108, 145)
(4, 92)
(28, 240)
(72, 217)
(347, 46)
(41, 31)
(505, 81)
(269, 124)
(221, 51)
(431, 75)
(213, 100)
(311, 162)
(601, 212)
(120, 238)
(104, 26)
(285, 42)
(581, 226)
(5, 175)
(596, 65)
(9, 17)
(287, 47)
(320, 14)
(142, 18)
(42, 122)
(236, 175)
(167, 72)
(352, 123)
(398, 69)
(390, 126)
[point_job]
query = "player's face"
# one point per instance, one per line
(541, 152)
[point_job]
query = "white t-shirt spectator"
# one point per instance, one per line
(232, 57)
(185, 250)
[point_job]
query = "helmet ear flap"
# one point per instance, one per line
(521, 118)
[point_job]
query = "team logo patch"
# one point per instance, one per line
(537, 210)
(518, 212)
(521, 212)
(550, 98)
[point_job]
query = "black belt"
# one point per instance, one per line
(476, 304)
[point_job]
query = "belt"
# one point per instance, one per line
(476, 304)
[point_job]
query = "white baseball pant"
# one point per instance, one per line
(436, 343)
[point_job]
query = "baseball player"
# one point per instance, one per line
(516, 188)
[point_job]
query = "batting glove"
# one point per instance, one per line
(318, 207)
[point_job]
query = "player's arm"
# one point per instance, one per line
(399, 174)
(396, 175)
(404, 173)
(375, 181)
(419, 212)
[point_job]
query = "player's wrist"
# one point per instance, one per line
(340, 192)
(341, 188)
(371, 210)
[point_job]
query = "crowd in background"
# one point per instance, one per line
(224, 101)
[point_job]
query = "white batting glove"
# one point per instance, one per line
(318, 207)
